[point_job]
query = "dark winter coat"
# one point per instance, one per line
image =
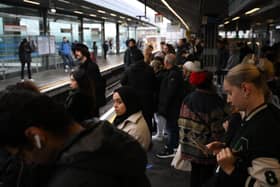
(100, 156)
(141, 77)
(25, 51)
(131, 55)
(80, 106)
(179, 54)
(171, 93)
(94, 74)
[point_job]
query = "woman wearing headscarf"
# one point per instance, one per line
(129, 116)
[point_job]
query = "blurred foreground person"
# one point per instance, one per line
(38, 131)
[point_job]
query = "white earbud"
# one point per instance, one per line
(38, 141)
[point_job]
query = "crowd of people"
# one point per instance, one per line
(229, 137)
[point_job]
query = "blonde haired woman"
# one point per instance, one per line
(252, 157)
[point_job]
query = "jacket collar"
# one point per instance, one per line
(255, 111)
(132, 118)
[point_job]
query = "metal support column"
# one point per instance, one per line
(102, 35)
(81, 30)
(118, 38)
(45, 58)
(210, 33)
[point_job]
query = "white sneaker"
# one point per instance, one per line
(22, 80)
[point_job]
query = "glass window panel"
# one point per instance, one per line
(32, 27)
(92, 32)
(110, 36)
(123, 37)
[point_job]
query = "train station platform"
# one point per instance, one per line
(53, 78)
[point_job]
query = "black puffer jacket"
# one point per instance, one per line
(171, 93)
(101, 156)
(141, 77)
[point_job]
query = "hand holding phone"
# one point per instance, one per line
(215, 147)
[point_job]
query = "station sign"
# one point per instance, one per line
(65, 30)
(15, 28)
(158, 18)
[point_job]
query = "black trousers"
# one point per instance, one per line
(28, 69)
(200, 173)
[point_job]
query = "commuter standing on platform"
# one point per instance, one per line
(93, 72)
(105, 49)
(181, 50)
(95, 49)
(201, 117)
(171, 95)
(65, 52)
(129, 116)
(141, 77)
(81, 101)
(62, 152)
(131, 53)
(25, 51)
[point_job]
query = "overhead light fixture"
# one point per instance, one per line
(103, 17)
(113, 14)
(92, 15)
(101, 11)
(53, 10)
(64, 1)
(236, 18)
(221, 25)
(122, 17)
(226, 22)
(119, 21)
(171, 9)
(31, 2)
(128, 19)
(277, 27)
(85, 7)
(78, 12)
(252, 11)
(270, 20)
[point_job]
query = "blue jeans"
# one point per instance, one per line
(173, 133)
(67, 60)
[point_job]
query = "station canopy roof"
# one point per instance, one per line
(193, 12)
(103, 10)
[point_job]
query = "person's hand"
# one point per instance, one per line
(226, 125)
(226, 160)
(215, 147)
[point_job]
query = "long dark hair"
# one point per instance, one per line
(85, 84)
